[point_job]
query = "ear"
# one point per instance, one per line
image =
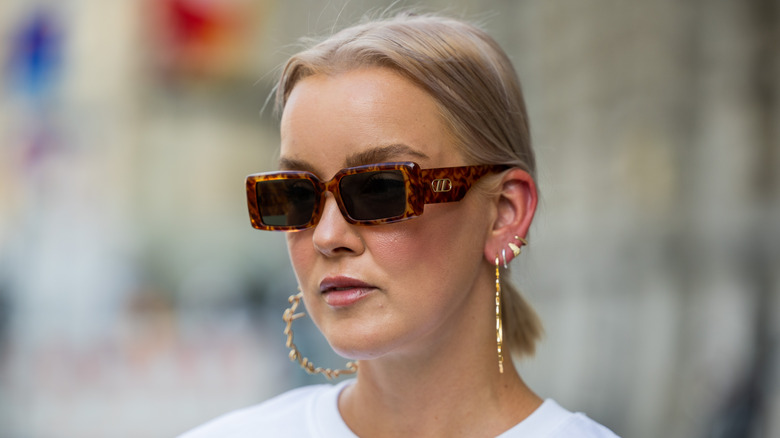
(517, 201)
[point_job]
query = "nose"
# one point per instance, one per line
(333, 235)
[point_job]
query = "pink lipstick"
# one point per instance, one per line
(343, 291)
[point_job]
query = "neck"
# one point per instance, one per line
(445, 404)
(451, 387)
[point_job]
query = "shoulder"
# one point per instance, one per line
(288, 414)
(550, 420)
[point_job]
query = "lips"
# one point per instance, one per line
(343, 291)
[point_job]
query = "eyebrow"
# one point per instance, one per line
(382, 154)
(375, 155)
(295, 164)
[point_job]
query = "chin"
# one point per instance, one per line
(354, 345)
(356, 351)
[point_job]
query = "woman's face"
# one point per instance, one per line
(394, 288)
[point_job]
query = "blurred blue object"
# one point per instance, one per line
(36, 54)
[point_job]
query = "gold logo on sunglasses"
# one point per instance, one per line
(441, 185)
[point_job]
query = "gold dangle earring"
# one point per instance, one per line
(499, 325)
(289, 316)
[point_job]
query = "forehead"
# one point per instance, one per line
(370, 114)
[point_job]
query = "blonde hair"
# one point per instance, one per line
(476, 90)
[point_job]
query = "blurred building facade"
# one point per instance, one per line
(136, 300)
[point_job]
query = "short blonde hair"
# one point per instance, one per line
(477, 92)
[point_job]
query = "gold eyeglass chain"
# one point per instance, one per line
(289, 316)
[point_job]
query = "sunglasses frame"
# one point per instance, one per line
(423, 186)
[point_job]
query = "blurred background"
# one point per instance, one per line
(137, 301)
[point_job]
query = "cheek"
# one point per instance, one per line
(431, 246)
(301, 252)
(405, 246)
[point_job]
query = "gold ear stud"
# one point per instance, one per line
(515, 249)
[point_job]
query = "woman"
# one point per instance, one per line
(406, 187)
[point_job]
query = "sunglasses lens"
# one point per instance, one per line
(286, 202)
(374, 195)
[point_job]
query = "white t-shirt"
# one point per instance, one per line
(312, 412)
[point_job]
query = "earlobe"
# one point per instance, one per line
(517, 202)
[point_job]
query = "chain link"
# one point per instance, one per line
(289, 316)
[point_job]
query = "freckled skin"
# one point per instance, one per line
(429, 272)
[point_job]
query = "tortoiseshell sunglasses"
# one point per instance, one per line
(366, 195)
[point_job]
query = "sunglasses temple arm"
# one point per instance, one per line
(449, 184)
